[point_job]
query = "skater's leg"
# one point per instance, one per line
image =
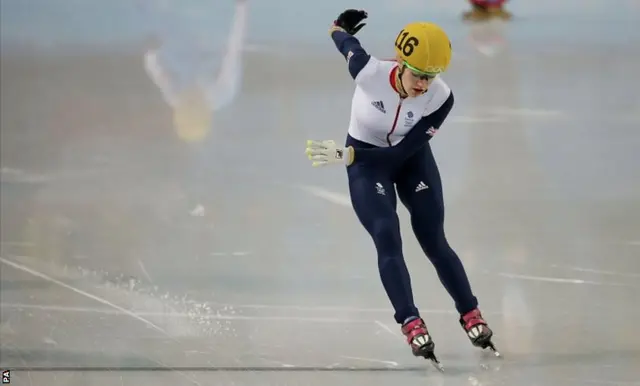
(420, 189)
(373, 198)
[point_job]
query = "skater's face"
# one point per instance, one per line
(414, 82)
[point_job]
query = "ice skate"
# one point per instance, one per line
(420, 341)
(478, 330)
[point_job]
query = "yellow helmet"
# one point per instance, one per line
(424, 47)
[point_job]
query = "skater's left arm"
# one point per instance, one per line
(228, 82)
(419, 135)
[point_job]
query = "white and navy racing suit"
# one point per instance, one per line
(391, 140)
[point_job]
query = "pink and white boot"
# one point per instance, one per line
(478, 330)
(415, 330)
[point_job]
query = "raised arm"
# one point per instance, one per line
(342, 32)
(228, 82)
(160, 76)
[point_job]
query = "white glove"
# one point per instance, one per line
(327, 152)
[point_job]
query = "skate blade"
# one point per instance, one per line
(435, 362)
(438, 366)
(493, 350)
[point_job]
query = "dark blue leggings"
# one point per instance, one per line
(373, 196)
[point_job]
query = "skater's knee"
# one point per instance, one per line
(436, 247)
(386, 236)
(434, 243)
(428, 226)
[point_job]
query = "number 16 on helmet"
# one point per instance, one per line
(424, 48)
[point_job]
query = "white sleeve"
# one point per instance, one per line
(159, 76)
(368, 71)
(229, 78)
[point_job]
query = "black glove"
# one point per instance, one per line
(349, 19)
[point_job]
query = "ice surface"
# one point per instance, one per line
(133, 257)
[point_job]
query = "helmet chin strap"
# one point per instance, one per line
(401, 90)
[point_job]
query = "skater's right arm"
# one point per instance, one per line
(356, 56)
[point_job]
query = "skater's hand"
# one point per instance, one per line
(349, 19)
(326, 152)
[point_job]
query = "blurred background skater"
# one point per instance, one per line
(195, 81)
(482, 10)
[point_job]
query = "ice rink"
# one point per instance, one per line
(161, 225)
